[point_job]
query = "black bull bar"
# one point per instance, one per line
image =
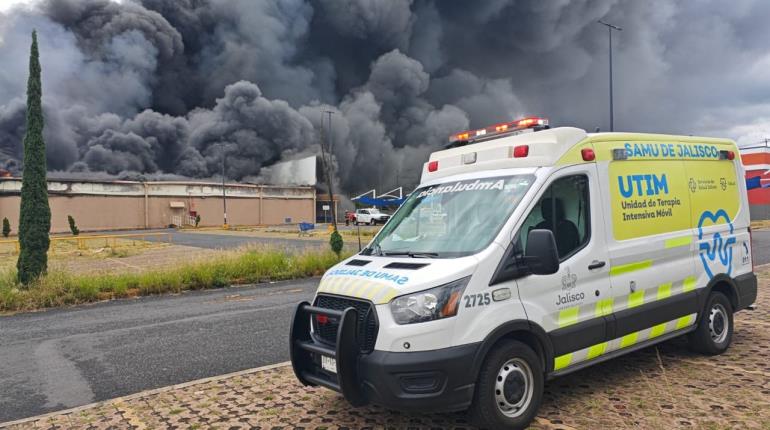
(306, 353)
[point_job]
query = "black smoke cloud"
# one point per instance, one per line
(164, 88)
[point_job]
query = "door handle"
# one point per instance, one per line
(596, 264)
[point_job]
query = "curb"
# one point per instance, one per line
(145, 393)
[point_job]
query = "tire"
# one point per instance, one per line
(511, 376)
(372, 222)
(715, 328)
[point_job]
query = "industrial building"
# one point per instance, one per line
(112, 205)
(756, 161)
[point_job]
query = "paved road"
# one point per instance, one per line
(68, 357)
(761, 245)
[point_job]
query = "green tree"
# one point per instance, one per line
(335, 241)
(6, 227)
(35, 214)
(73, 228)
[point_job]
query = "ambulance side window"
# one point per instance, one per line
(564, 210)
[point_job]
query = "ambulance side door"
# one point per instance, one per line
(651, 248)
(569, 305)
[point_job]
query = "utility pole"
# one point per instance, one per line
(379, 180)
(610, 28)
(326, 161)
(224, 189)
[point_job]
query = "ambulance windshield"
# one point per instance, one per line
(452, 219)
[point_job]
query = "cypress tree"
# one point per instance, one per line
(73, 227)
(35, 214)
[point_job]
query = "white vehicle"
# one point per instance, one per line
(525, 255)
(371, 216)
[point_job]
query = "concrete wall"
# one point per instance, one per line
(108, 206)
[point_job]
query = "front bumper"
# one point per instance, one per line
(437, 380)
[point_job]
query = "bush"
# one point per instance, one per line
(336, 242)
(6, 227)
(197, 220)
(73, 228)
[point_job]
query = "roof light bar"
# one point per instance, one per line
(506, 127)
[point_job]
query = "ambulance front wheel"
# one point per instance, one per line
(510, 387)
(715, 328)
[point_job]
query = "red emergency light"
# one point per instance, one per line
(520, 151)
(532, 122)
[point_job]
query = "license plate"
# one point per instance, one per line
(328, 364)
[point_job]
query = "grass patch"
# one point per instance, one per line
(59, 288)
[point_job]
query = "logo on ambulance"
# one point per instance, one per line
(716, 253)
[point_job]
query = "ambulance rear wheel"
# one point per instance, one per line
(715, 328)
(509, 389)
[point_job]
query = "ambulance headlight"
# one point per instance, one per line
(437, 303)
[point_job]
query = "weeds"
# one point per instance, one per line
(59, 287)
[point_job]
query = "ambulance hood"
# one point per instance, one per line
(380, 279)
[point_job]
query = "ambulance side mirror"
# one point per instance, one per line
(540, 258)
(541, 254)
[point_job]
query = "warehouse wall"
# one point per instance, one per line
(245, 206)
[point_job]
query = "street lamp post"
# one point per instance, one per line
(611, 27)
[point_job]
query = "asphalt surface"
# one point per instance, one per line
(761, 246)
(63, 358)
(68, 357)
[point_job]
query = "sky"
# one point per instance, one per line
(158, 88)
(6, 4)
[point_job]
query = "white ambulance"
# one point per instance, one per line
(527, 253)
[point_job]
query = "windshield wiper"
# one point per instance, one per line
(373, 250)
(413, 254)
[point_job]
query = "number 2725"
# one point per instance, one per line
(477, 300)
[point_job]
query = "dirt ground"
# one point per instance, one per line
(663, 387)
(121, 259)
(123, 255)
(156, 257)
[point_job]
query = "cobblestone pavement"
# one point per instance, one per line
(657, 388)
